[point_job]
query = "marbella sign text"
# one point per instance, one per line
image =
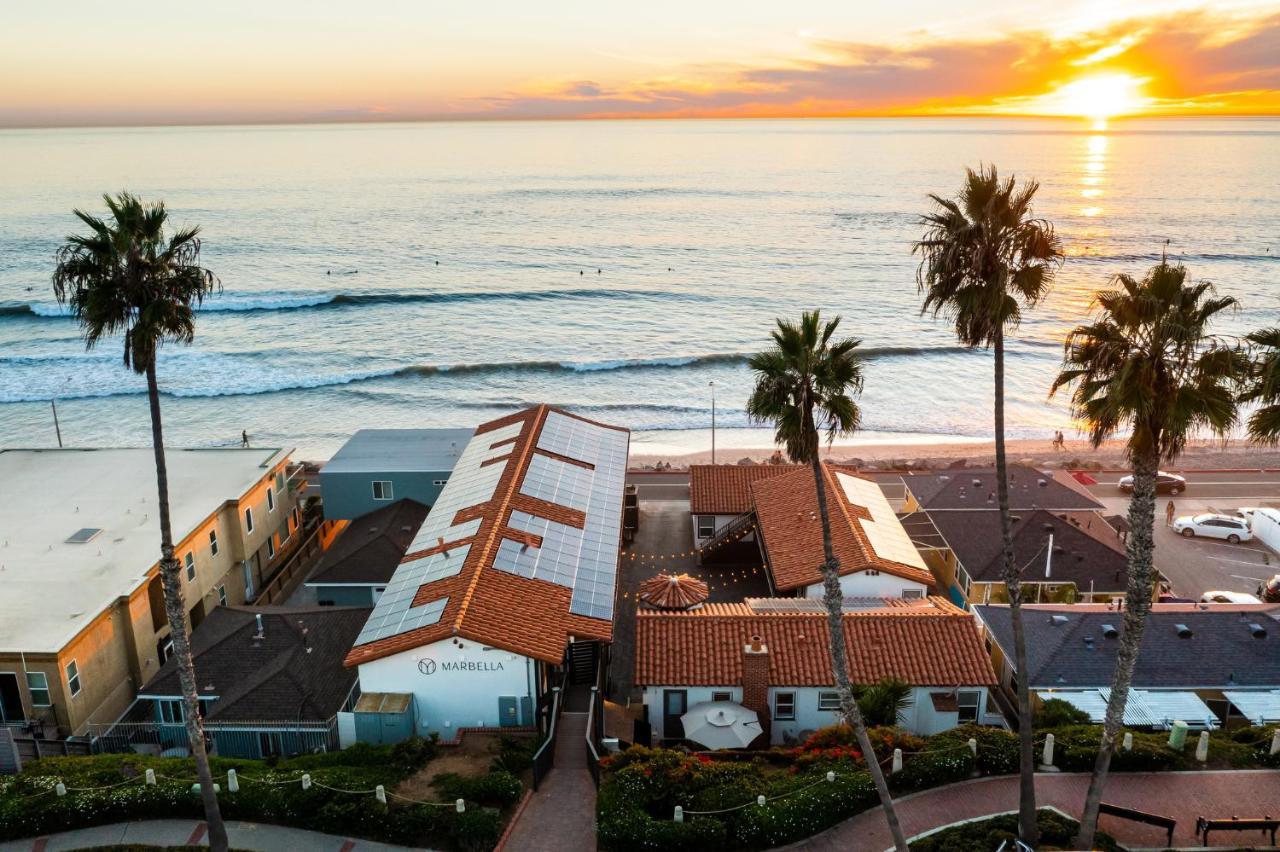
(429, 666)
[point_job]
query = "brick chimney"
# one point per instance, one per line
(755, 683)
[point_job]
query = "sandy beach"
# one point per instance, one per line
(1199, 455)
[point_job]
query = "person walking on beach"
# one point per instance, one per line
(244, 437)
(1168, 514)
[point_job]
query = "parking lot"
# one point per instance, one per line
(1197, 565)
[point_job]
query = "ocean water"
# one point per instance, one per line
(441, 274)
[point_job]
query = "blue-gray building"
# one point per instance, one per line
(377, 467)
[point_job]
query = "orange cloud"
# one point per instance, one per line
(1192, 63)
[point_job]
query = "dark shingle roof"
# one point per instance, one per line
(1221, 652)
(371, 546)
(1085, 549)
(975, 489)
(274, 677)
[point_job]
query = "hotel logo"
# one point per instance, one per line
(427, 666)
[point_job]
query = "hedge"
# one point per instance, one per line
(1056, 830)
(642, 786)
(29, 808)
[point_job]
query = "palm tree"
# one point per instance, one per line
(984, 258)
(126, 277)
(1264, 386)
(1147, 363)
(805, 384)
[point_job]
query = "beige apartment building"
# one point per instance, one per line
(82, 620)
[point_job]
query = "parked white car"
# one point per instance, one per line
(1234, 530)
(1229, 598)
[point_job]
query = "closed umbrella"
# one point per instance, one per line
(721, 724)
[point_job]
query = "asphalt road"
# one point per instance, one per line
(1195, 566)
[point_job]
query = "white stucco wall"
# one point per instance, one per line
(920, 717)
(864, 584)
(453, 686)
(722, 521)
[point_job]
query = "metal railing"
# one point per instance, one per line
(593, 755)
(280, 586)
(247, 739)
(544, 759)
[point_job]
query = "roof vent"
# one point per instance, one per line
(1257, 631)
(1088, 642)
(1109, 631)
(1184, 632)
(1044, 483)
(1058, 619)
(977, 483)
(261, 634)
(84, 535)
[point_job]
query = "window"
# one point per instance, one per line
(294, 516)
(248, 519)
(73, 678)
(38, 686)
(171, 712)
(706, 526)
(189, 561)
(213, 542)
(271, 547)
(969, 705)
(382, 489)
(222, 594)
(912, 594)
(271, 500)
(439, 481)
(828, 701)
(722, 696)
(279, 481)
(164, 649)
(784, 706)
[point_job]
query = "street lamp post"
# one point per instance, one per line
(713, 421)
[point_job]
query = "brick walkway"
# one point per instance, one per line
(174, 832)
(561, 815)
(1181, 795)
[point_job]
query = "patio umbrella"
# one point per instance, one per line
(673, 591)
(721, 724)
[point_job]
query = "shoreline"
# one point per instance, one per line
(940, 452)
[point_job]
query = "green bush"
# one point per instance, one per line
(515, 754)
(499, 788)
(477, 830)
(413, 753)
(1055, 713)
(805, 813)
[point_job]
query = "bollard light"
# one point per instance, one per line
(760, 800)
(460, 806)
(151, 777)
(897, 762)
(1275, 742)
(306, 781)
(1048, 750)
(1128, 741)
(678, 816)
(1202, 747)
(973, 746)
(233, 783)
(831, 776)
(61, 789)
(381, 793)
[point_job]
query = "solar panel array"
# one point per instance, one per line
(884, 531)
(584, 560)
(471, 483)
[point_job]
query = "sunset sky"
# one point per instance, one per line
(84, 62)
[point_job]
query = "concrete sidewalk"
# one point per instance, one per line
(179, 832)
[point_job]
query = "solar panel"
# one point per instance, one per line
(884, 531)
(83, 535)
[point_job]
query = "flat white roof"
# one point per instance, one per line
(51, 589)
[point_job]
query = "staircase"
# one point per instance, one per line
(730, 532)
(582, 663)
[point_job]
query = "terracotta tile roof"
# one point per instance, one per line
(530, 616)
(787, 512)
(725, 489)
(933, 645)
(673, 591)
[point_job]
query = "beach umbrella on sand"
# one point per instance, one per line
(721, 724)
(673, 591)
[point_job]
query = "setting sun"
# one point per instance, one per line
(1098, 97)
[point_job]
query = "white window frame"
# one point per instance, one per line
(189, 562)
(706, 519)
(74, 684)
(248, 519)
(386, 487)
(977, 704)
(32, 689)
(828, 701)
(271, 499)
(722, 695)
(912, 594)
(213, 542)
(271, 547)
(222, 594)
(777, 702)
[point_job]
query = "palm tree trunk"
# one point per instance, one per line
(834, 600)
(170, 580)
(1137, 603)
(1013, 582)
